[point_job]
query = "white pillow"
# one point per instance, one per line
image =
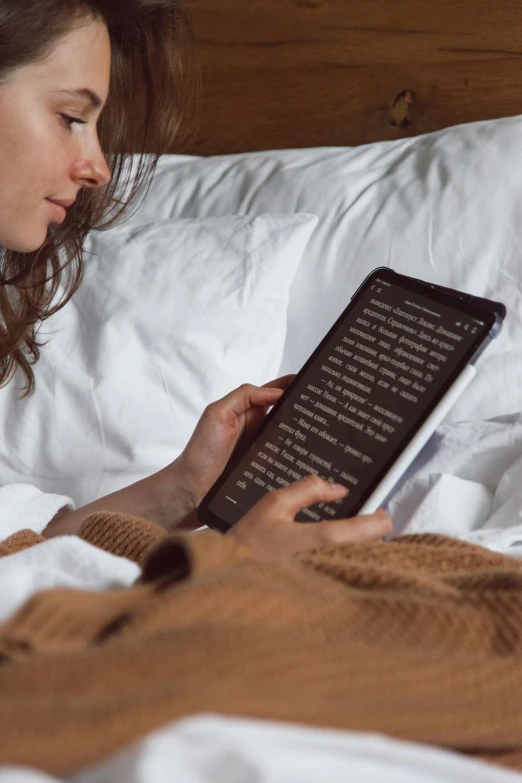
(445, 207)
(170, 317)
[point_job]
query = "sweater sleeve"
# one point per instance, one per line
(19, 541)
(118, 534)
(159, 553)
(150, 546)
(183, 556)
(121, 534)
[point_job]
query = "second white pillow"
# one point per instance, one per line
(170, 317)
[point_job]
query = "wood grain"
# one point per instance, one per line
(298, 73)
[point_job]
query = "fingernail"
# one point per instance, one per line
(339, 487)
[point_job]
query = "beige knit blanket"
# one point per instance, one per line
(420, 638)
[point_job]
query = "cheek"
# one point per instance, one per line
(50, 164)
(34, 164)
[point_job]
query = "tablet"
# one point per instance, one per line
(366, 401)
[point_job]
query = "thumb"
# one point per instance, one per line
(280, 383)
(243, 399)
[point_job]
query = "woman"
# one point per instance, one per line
(71, 72)
(405, 638)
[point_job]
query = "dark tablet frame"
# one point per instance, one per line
(489, 311)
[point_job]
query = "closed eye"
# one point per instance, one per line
(70, 121)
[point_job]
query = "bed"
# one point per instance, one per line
(332, 138)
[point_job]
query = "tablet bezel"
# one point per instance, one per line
(489, 311)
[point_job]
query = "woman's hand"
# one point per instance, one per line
(170, 497)
(269, 529)
(228, 425)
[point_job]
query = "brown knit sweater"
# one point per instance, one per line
(420, 638)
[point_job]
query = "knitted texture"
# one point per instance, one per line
(137, 539)
(419, 638)
(20, 541)
(121, 534)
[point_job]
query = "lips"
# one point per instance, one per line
(57, 211)
(62, 202)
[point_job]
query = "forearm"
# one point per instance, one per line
(160, 498)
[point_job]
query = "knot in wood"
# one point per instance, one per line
(401, 109)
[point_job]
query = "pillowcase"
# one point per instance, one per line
(445, 207)
(170, 317)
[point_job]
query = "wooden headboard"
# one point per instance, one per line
(305, 73)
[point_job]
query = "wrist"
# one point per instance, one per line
(176, 500)
(161, 498)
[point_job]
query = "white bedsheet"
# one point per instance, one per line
(211, 749)
(467, 483)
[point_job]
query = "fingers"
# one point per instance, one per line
(270, 529)
(313, 489)
(361, 529)
(306, 492)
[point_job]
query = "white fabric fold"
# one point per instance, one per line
(24, 506)
(466, 483)
(213, 749)
(65, 561)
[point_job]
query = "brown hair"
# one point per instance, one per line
(153, 68)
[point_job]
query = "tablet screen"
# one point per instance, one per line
(358, 400)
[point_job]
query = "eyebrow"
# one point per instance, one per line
(93, 98)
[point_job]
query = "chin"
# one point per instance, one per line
(25, 244)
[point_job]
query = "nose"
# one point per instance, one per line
(90, 169)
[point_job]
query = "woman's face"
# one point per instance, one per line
(42, 155)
